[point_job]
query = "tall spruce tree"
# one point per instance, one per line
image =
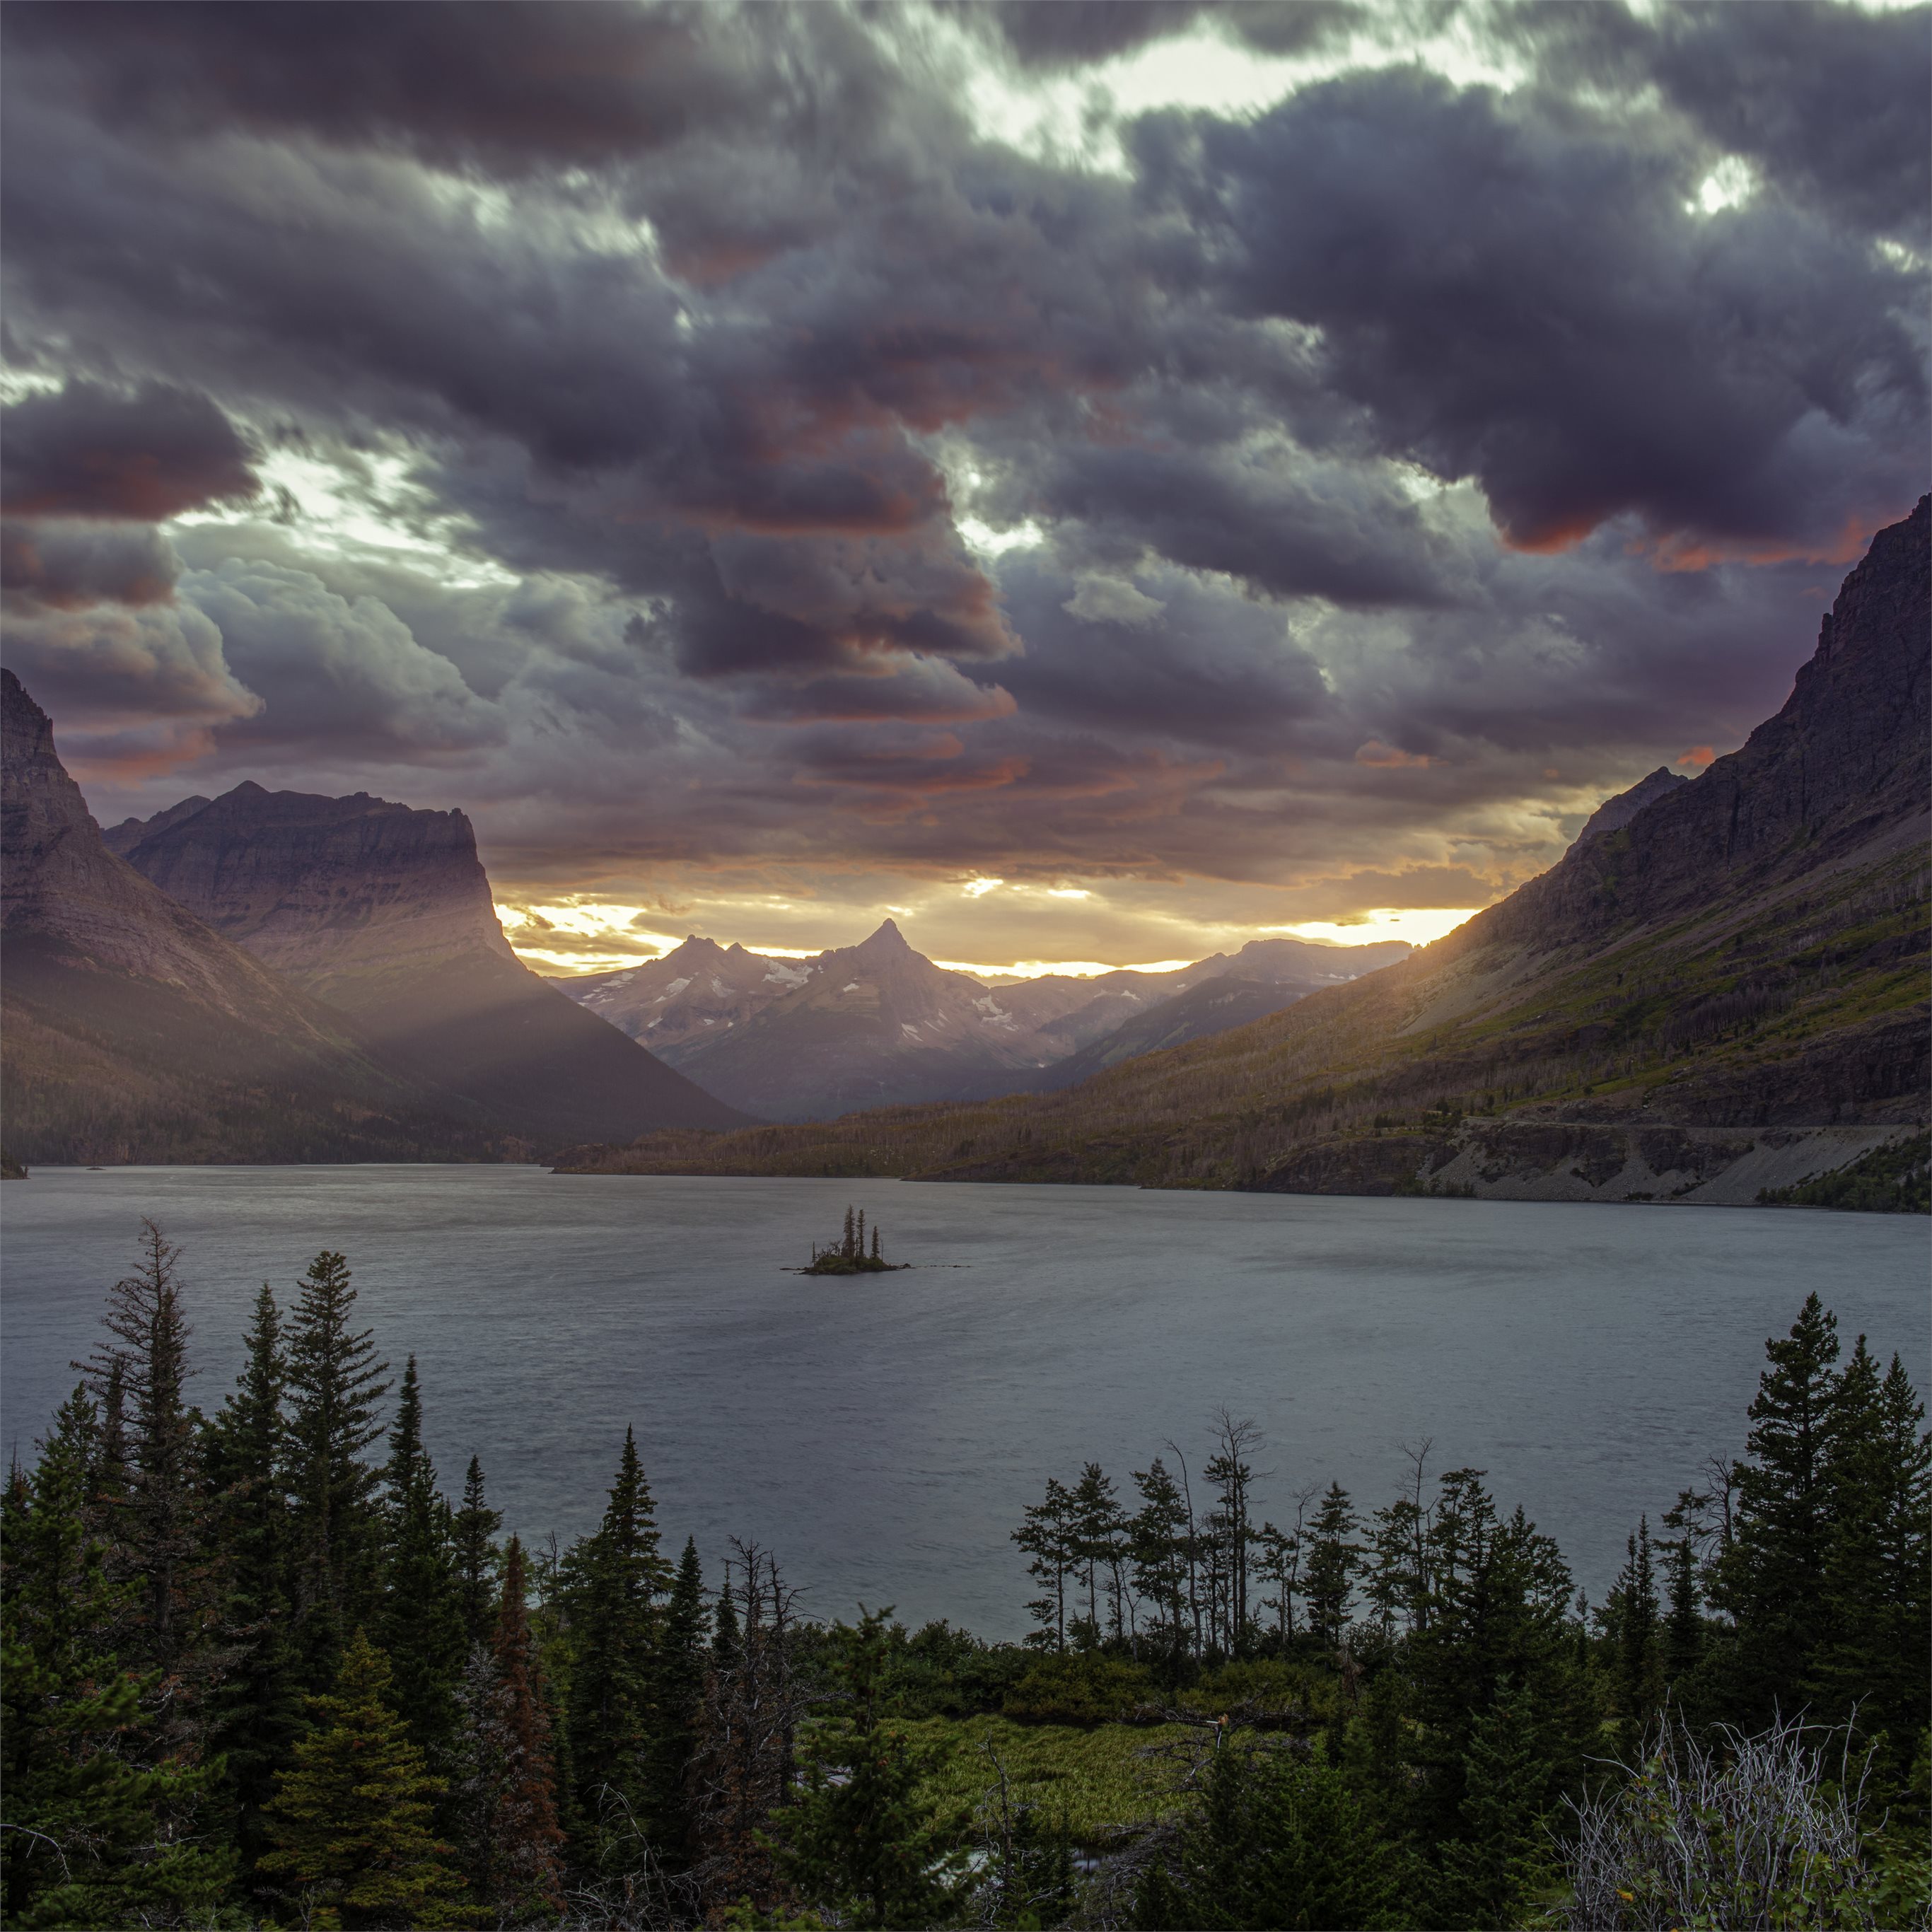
(1877, 1589)
(1158, 1538)
(349, 1822)
(1333, 1557)
(100, 1817)
(158, 1529)
(259, 1711)
(1771, 1580)
(419, 1625)
(335, 1383)
(1501, 1859)
(681, 1660)
(614, 1580)
(472, 1533)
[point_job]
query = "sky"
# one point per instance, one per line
(1096, 483)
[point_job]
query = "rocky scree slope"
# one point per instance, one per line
(384, 912)
(132, 1032)
(1745, 959)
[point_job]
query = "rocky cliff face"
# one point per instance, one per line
(384, 912)
(1838, 777)
(327, 889)
(1614, 814)
(134, 1032)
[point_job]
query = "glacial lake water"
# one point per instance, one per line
(884, 1434)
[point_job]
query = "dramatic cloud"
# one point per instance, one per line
(794, 461)
(87, 452)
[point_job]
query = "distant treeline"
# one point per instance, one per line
(261, 1669)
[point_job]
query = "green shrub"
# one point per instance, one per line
(1079, 1690)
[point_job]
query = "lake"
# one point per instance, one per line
(883, 1434)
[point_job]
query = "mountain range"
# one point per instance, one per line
(1719, 991)
(878, 1024)
(272, 976)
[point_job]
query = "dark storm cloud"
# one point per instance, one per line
(1516, 293)
(511, 83)
(85, 450)
(714, 329)
(1830, 101)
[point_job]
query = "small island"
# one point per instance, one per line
(849, 1254)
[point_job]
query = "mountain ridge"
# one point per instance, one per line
(1745, 957)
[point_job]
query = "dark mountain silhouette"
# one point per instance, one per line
(384, 912)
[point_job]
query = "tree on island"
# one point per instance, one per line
(850, 1254)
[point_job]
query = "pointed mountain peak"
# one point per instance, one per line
(887, 939)
(1614, 814)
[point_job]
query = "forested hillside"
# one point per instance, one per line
(263, 1667)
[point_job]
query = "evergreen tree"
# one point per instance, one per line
(1097, 1545)
(614, 1580)
(1877, 1589)
(1157, 1543)
(878, 1252)
(724, 1644)
(419, 1626)
(1684, 1622)
(1501, 1859)
(1631, 1615)
(1333, 1557)
(472, 1530)
(157, 1524)
(506, 1796)
(335, 1383)
(1771, 1580)
(99, 1818)
(1275, 1844)
(860, 1838)
(1048, 1537)
(350, 1818)
(678, 1698)
(246, 1456)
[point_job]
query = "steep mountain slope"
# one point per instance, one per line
(384, 912)
(1723, 995)
(132, 1032)
(1266, 975)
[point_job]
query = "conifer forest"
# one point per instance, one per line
(264, 1665)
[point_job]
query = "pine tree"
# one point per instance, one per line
(472, 1530)
(1333, 1557)
(1048, 1537)
(247, 1453)
(848, 1243)
(334, 1384)
(419, 1626)
(158, 1524)
(1875, 1587)
(878, 1252)
(860, 1838)
(1771, 1578)
(725, 1648)
(1638, 1666)
(1097, 1546)
(678, 1695)
(350, 1818)
(614, 1580)
(1157, 1538)
(99, 1818)
(1684, 1622)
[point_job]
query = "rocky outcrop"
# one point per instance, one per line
(384, 912)
(134, 1032)
(1841, 774)
(1614, 814)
